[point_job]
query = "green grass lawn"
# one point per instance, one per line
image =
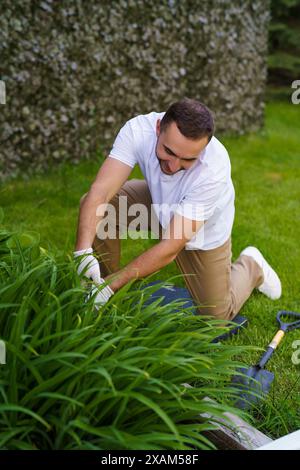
(266, 175)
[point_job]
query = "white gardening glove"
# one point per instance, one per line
(88, 264)
(102, 296)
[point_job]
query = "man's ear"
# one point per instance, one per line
(157, 127)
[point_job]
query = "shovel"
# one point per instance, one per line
(254, 383)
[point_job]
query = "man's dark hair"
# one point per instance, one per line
(193, 119)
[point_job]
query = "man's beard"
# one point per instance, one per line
(163, 163)
(164, 168)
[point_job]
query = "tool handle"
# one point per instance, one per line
(265, 357)
(288, 326)
(271, 348)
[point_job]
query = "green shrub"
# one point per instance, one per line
(77, 378)
(284, 42)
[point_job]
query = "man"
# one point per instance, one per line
(186, 168)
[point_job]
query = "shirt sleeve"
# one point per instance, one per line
(201, 202)
(124, 147)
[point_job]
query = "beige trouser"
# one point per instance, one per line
(218, 286)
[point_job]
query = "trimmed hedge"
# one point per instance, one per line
(76, 71)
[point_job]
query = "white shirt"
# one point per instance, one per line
(203, 192)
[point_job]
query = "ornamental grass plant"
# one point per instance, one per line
(116, 378)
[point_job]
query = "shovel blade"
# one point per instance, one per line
(254, 384)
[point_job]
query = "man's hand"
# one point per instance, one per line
(103, 295)
(89, 265)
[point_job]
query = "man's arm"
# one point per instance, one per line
(177, 234)
(111, 176)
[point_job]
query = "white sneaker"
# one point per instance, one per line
(271, 286)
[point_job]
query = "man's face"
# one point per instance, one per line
(176, 152)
